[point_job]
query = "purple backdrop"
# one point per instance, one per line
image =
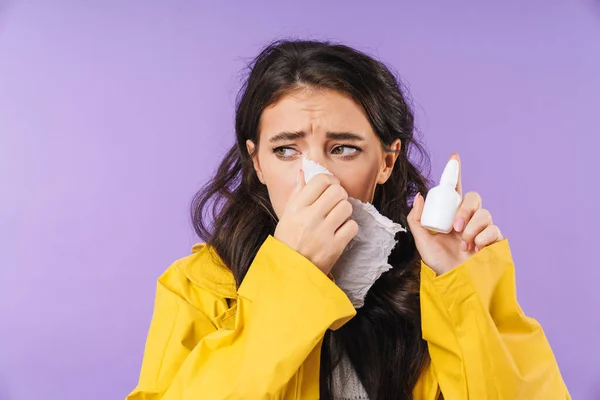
(113, 113)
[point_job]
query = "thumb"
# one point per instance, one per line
(414, 218)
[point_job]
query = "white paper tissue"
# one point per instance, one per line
(365, 258)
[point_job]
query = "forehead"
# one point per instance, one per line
(314, 112)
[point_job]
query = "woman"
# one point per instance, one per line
(253, 312)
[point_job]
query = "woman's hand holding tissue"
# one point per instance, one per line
(473, 230)
(315, 220)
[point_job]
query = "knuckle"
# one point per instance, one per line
(498, 232)
(476, 197)
(468, 237)
(321, 178)
(469, 233)
(479, 241)
(340, 192)
(485, 215)
(328, 179)
(347, 207)
(353, 227)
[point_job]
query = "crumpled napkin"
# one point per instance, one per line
(365, 258)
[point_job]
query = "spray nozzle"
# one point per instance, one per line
(450, 174)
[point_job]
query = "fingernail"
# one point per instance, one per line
(476, 249)
(298, 176)
(459, 225)
(463, 246)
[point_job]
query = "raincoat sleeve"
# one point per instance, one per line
(482, 345)
(285, 305)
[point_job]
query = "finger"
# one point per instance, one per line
(329, 199)
(344, 234)
(338, 215)
(414, 218)
(488, 236)
(315, 188)
(480, 221)
(470, 204)
(459, 189)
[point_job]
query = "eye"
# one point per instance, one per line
(282, 152)
(286, 152)
(349, 154)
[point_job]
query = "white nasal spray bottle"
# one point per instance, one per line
(442, 201)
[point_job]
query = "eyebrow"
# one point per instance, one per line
(288, 136)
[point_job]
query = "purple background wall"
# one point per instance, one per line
(113, 113)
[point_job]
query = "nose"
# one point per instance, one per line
(312, 169)
(314, 156)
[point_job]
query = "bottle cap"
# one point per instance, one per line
(450, 174)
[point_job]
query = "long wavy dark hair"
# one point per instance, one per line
(233, 213)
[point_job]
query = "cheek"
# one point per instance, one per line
(280, 188)
(359, 184)
(279, 178)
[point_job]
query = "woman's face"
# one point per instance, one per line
(329, 128)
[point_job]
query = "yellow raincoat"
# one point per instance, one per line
(263, 341)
